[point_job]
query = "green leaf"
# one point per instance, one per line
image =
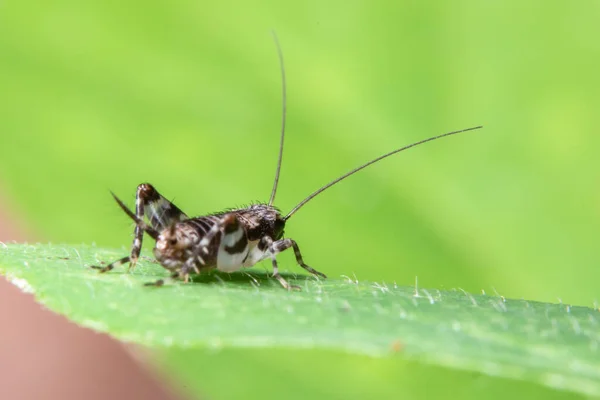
(552, 344)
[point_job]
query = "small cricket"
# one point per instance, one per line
(228, 240)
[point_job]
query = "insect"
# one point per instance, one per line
(227, 240)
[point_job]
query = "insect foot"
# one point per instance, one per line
(285, 283)
(111, 266)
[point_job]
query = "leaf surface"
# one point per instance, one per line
(552, 344)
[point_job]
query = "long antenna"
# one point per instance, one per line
(283, 86)
(355, 170)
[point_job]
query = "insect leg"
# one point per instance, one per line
(184, 271)
(230, 247)
(191, 264)
(159, 211)
(161, 282)
(267, 243)
(228, 224)
(284, 244)
(110, 266)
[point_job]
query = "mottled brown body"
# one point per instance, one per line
(227, 241)
(246, 227)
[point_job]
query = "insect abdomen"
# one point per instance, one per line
(233, 246)
(229, 248)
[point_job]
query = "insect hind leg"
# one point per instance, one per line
(301, 262)
(160, 212)
(112, 265)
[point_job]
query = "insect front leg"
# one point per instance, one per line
(267, 243)
(284, 244)
(161, 282)
(281, 245)
(182, 274)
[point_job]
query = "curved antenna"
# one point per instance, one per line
(355, 170)
(284, 95)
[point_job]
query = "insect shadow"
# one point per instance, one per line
(258, 278)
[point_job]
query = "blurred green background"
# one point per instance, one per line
(100, 96)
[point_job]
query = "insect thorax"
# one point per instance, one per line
(260, 220)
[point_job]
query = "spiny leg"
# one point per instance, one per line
(160, 212)
(183, 273)
(191, 265)
(161, 282)
(110, 266)
(285, 244)
(267, 243)
(146, 196)
(141, 197)
(227, 225)
(226, 243)
(139, 223)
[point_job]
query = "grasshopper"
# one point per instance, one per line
(227, 240)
